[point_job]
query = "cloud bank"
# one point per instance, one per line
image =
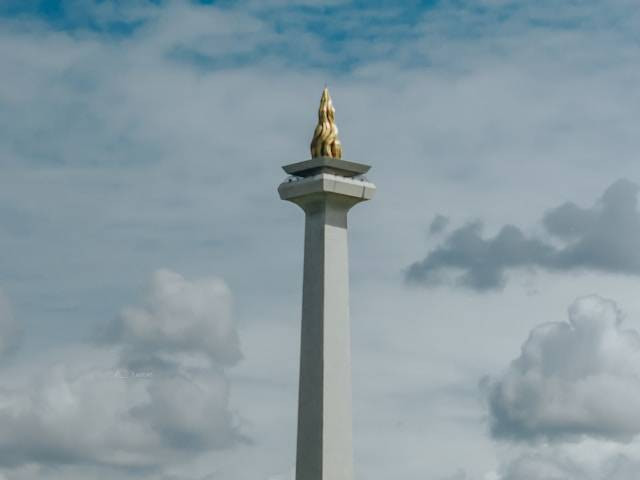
(604, 237)
(164, 400)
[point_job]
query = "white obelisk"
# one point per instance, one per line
(325, 187)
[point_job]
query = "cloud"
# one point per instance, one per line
(179, 317)
(555, 389)
(592, 460)
(544, 467)
(459, 475)
(565, 409)
(438, 224)
(603, 238)
(482, 261)
(168, 405)
(164, 146)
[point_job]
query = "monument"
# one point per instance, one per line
(325, 187)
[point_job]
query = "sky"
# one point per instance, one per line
(150, 277)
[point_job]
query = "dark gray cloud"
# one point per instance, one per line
(482, 262)
(438, 224)
(555, 389)
(604, 237)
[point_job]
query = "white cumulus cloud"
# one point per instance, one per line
(180, 318)
(572, 379)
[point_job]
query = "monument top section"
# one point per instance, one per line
(334, 166)
(326, 151)
(325, 141)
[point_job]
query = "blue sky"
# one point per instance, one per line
(141, 232)
(363, 21)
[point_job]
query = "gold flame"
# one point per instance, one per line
(325, 141)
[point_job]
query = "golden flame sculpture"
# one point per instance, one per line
(325, 141)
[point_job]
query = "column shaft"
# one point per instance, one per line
(324, 450)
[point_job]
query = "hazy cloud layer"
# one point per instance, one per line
(604, 237)
(560, 465)
(170, 404)
(137, 134)
(556, 388)
(587, 460)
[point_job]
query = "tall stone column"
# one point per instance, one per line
(326, 188)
